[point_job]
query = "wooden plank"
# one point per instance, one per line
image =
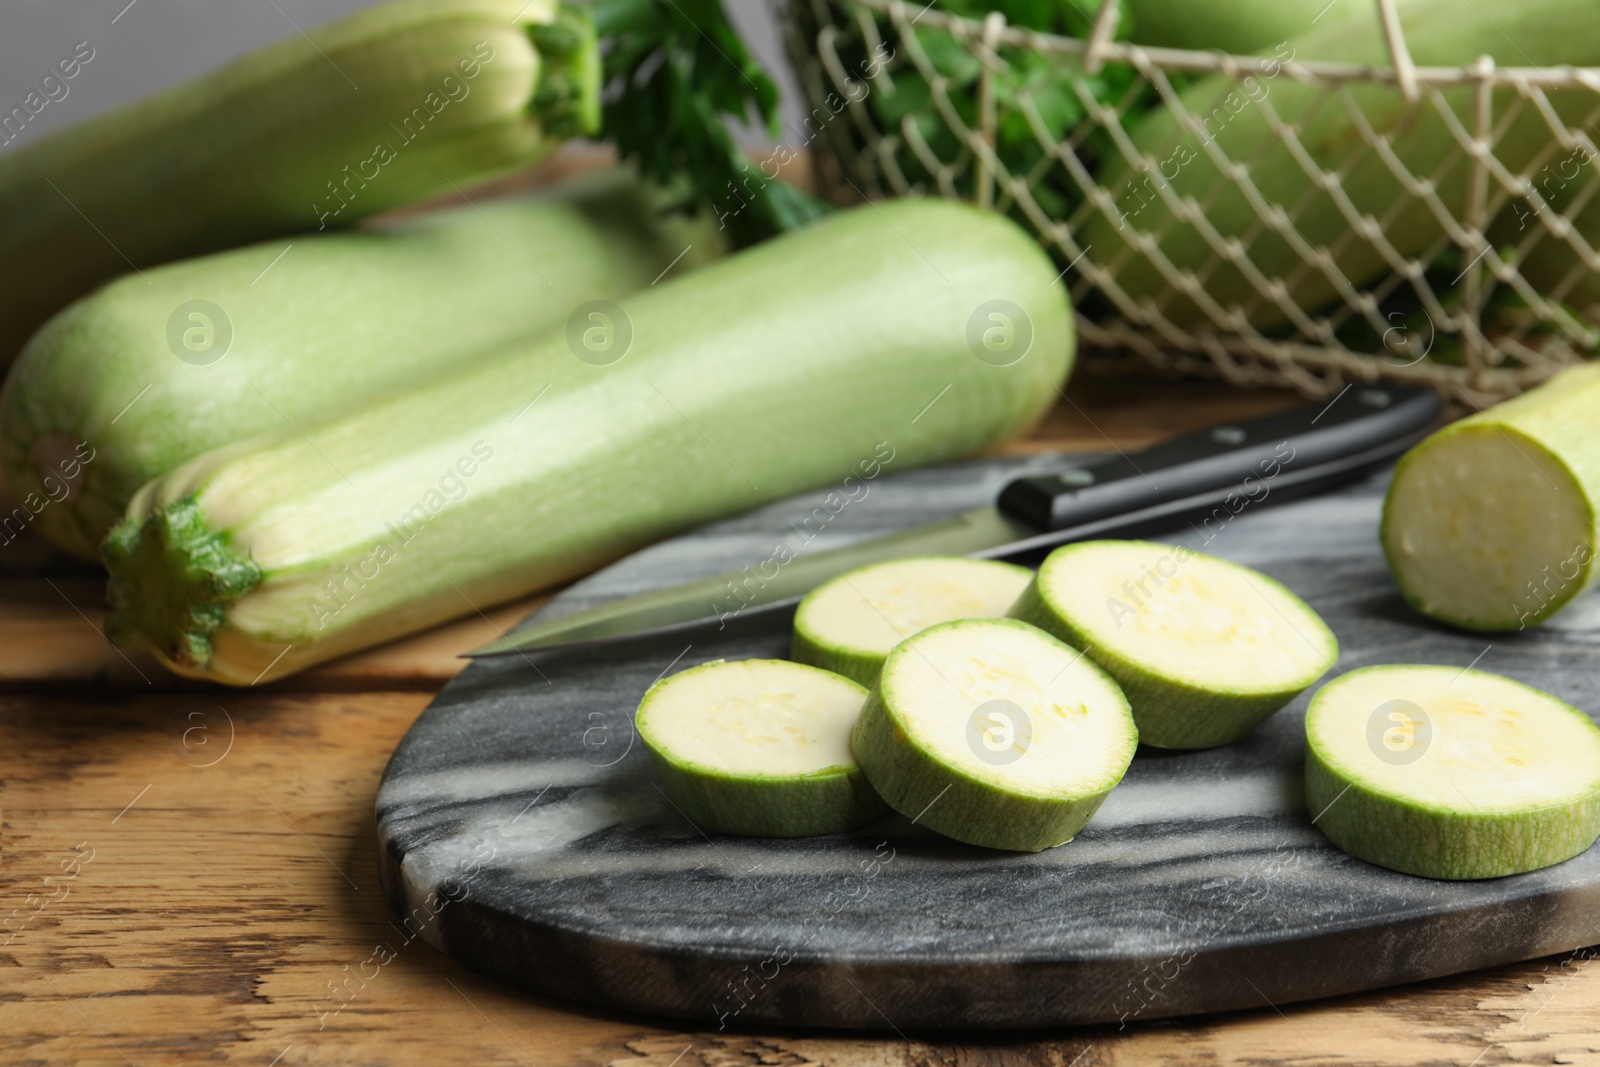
(50, 638)
(224, 907)
(51, 606)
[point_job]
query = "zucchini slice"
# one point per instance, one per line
(759, 747)
(1446, 773)
(848, 625)
(1204, 649)
(992, 732)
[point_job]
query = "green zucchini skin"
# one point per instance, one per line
(799, 362)
(964, 808)
(299, 136)
(1441, 841)
(1552, 266)
(1170, 712)
(1440, 33)
(341, 319)
(859, 664)
(860, 667)
(1550, 431)
(1436, 843)
(830, 801)
(1237, 27)
(953, 802)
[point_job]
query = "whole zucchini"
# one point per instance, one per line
(900, 334)
(142, 375)
(1234, 122)
(372, 112)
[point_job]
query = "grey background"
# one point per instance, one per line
(149, 45)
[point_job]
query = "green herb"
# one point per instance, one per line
(1039, 102)
(674, 70)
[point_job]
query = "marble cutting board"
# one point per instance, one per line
(521, 830)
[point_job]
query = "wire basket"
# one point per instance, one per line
(1447, 242)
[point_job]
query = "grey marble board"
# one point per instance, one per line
(522, 832)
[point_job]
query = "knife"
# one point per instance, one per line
(1202, 477)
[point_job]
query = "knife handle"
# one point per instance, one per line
(1361, 418)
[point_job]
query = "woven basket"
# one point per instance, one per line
(1493, 302)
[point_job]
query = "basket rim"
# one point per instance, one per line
(999, 32)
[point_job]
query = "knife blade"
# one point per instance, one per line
(1189, 478)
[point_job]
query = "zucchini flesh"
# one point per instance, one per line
(261, 558)
(1236, 122)
(1204, 649)
(372, 112)
(338, 320)
(759, 747)
(1452, 774)
(1490, 524)
(992, 732)
(849, 624)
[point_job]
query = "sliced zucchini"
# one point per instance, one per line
(1490, 524)
(1448, 773)
(992, 732)
(848, 625)
(759, 747)
(1204, 649)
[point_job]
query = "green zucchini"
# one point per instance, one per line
(1447, 773)
(992, 732)
(849, 624)
(1233, 120)
(1237, 27)
(1551, 265)
(1490, 524)
(837, 348)
(1204, 649)
(339, 319)
(375, 111)
(759, 747)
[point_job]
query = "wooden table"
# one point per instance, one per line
(187, 873)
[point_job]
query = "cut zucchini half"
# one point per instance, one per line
(1204, 649)
(849, 624)
(759, 747)
(1446, 773)
(1490, 523)
(992, 732)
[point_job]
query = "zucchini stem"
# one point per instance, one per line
(172, 579)
(567, 99)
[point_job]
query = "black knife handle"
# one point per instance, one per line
(1361, 418)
